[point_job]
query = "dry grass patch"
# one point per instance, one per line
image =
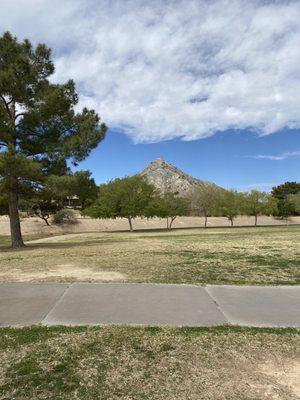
(63, 272)
(149, 363)
(197, 256)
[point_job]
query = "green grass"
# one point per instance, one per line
(148, 363)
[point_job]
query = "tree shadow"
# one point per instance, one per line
(61, 245)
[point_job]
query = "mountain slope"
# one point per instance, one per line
(167, 178)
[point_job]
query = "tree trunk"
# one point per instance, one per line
(231, 222)
(172, 220)
(205, 221)
(167, 222)
(15, 225)
(46, 220)
(255, 221)
(130, 224)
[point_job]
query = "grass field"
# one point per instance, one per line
(5, 240)
(264, 255)
(149, 363)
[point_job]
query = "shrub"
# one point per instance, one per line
(65, 217)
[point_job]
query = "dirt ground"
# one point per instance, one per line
(34, 225)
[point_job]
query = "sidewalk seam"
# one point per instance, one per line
(56, 303)
(206, 288)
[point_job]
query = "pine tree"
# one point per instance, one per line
(39, 128)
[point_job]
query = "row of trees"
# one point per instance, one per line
(133, 197)
(210, 201)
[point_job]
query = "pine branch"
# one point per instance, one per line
(6, 105)
(19, 115)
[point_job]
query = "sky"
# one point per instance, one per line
(210, 86)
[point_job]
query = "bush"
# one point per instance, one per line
(65, 217)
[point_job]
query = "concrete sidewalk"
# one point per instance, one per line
(25, 304)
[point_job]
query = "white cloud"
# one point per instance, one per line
(279, 157)
(173, 68)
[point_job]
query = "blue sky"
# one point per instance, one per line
(227, 158)
(210, 86)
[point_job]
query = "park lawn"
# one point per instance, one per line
(5, 240)
(149, 363)
(262, 255)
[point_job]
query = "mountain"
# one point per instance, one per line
(167, 178)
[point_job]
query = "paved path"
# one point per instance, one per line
(23, 304)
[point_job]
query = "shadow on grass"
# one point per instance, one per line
(235, 230)
(61, 245)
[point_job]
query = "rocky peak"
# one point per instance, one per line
(157, 164)
(158, 161)
(167, 178)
